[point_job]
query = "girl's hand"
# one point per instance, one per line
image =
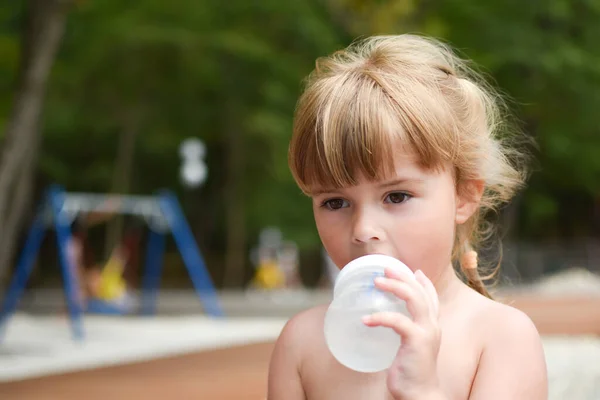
(413, 374)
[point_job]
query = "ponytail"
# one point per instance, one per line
(469, 267)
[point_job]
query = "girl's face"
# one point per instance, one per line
(410, 216)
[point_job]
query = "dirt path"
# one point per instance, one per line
(227, 374)
(568, 315)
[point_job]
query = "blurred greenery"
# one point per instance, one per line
(230, 73)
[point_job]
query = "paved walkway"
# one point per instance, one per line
(36, 346)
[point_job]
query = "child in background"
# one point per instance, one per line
(403, 150)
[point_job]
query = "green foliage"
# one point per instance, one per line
(186, 68)
(544, 55)
(9, 58)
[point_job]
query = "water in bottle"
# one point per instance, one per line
(352, 343)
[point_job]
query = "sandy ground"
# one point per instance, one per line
(202, 358)
(240, 372)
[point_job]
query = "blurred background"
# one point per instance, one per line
(99, 96)
(119, 87)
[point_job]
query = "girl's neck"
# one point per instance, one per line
(448, 285)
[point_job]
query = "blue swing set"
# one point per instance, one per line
(163, 215)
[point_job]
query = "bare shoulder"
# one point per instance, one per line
(294, 343)
(498, 323)
(506, 324)
(300, 327)
(512, 353)
(307, 318)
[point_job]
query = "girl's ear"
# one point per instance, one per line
(468, 199)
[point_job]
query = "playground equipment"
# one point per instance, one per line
(162, 214)
(276, 262)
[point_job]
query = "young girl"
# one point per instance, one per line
(400, 146)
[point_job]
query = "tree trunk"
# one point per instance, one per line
(42, 33)
(20, 206)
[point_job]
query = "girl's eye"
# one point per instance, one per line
(397, 197)
(335, 204)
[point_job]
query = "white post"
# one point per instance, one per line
(193, 171)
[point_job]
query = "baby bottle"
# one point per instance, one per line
(352, 343)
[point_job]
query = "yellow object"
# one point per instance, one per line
(112, 286)
(269, 276)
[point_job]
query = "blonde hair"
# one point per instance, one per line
(416, 91)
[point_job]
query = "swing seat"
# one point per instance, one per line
(111, 296)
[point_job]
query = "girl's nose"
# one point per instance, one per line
(366, 228)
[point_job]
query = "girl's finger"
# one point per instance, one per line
(402, 275)
(409, 278)
(416, 303)
(400, 323)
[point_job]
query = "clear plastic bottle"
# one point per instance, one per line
(352, 343)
